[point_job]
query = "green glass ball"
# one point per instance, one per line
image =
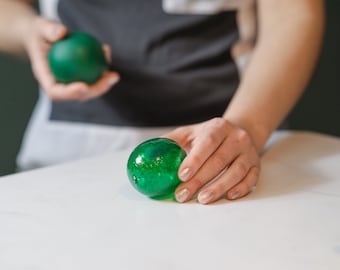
(153, 165)
(77, 57)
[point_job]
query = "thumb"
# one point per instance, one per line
(181, 135)
(51, 31)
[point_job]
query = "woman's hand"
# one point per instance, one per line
(41, 34)
(219, 154)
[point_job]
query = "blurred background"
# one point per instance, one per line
(318, 110)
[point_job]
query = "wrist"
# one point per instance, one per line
(16, 19)
(258, 132)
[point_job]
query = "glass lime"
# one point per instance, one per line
(77, 57)
(153, 165)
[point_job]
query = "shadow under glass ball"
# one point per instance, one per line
(77, 57)
(153, 167)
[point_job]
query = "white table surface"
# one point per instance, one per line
(86, 215)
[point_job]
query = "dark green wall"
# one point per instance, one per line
(318, 110)
(18, 93)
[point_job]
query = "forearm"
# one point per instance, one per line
(15, 18)
(280, 68)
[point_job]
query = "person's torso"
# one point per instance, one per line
(176, 68)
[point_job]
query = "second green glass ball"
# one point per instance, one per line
(77, 57)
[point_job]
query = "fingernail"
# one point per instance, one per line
(205, 197)
(185, 174)
(182, 195)
(112, 81)
(235, 195)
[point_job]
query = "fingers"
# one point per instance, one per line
(72, 91)
(236, 181)
(201, 152)
(51, 31)
(212, 168)
(81, 91)
(217, 162)
(243, 184)
(103, 85)
(44, 33)
(204, 145)
(235, 174)
(182, 136)
(222, 159)
(247, 185)
(41, 68)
